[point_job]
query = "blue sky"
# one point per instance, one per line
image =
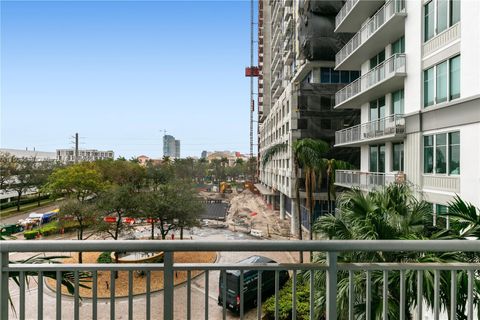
(120, 72)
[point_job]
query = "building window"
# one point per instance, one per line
(428, 90)
(440, 15)
(446, 158)
(377, 158)
(377, 59)
(329, 75)
(377, 109)
(442, 82)
(441, 153)
(397, 102)
(397, 157)
(398, 46)
(454, 153)
(454, 11)
(428, 154)
(455, 78)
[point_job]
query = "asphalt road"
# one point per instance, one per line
(15, 217)
(180, 295)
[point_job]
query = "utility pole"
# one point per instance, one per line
(76, 147)
(76, 143)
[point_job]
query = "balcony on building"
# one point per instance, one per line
(390, 128)
(288, 53)
(385, 77)
(366, 181)
(354, 13)
(386, 26)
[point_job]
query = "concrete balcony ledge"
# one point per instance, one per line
(389, 128)
(386, 77)
(367, 181)
(353, 13)
(386, 26)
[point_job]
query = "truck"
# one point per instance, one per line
(225, 187)
(250, 284)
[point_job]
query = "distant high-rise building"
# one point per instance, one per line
(171, 147)
(177, 149)
(204, 154)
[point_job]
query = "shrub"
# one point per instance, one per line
(104, 257)
(285, 302)
(30, 234)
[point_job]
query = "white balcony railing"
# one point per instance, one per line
(366, 180)
(347, 7)
(383, 15)
(380, 128)
(194, 300)
(387, 69)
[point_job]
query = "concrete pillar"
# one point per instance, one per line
(282, 206)
(294, 220)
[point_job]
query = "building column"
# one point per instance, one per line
(294, 219)
(282, 206)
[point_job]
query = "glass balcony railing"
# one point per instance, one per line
(383, 71)
(376, 129)
(366, 180)
(383, 15)
(347, 7)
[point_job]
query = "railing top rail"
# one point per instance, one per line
(392, 116)
(239, 245)
(365, 75)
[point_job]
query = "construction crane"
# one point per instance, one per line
(252, 72)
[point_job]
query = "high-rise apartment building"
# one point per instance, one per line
(171, 147)
(419, 97)
(297, 86)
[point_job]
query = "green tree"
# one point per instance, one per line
(394, 213)
(7, 166)
(41, 172)
(119, 202)
(172, 206)
(82, 181)
(84, 214)
(23, 178)
(158, 174)
(122, 173)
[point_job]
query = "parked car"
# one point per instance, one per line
(250, 281)
(10, 229)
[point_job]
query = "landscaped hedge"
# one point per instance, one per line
(51, 228)
(13, 202)
(285, 303)
(30, 234)
(105, 257)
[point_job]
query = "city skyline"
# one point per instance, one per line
(67, 79)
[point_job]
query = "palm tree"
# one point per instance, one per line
(307, 154)
(394, 213)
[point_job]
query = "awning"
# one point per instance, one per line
(265, 190)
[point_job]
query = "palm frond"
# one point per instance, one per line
(272, 151)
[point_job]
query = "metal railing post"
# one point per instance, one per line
(3, 286)
(331, 297)
(168, 285)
